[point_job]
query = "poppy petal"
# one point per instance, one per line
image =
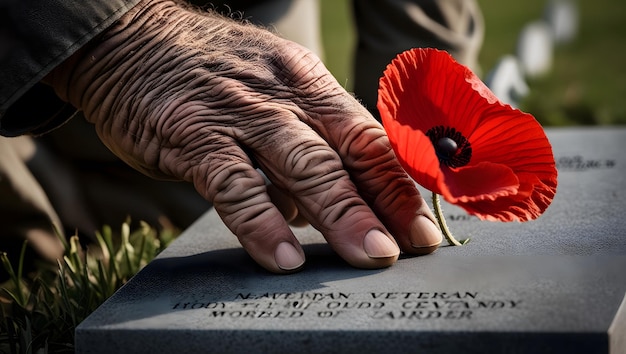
(416, 154)
(514, 207)
(467, 184)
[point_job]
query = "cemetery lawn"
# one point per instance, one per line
(40, 311)
(587, 84)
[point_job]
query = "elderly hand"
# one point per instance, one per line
(193, 96)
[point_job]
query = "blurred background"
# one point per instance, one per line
(585, 86)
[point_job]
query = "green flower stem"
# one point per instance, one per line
(442, 223)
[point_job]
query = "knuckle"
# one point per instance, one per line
(314, 168)
(232, 182)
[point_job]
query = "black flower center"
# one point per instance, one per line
(451, 147)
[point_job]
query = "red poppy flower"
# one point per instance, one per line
(455, 138)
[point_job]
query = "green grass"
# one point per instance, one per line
(41, 311)
(587, 84)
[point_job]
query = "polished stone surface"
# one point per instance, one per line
(554, 285)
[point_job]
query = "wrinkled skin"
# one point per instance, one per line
(191, 96)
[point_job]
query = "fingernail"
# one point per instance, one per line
(378, 245)
(287, 256)
(424, 233)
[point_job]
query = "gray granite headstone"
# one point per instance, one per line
(554, 285)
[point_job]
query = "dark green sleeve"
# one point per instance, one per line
(36, 36)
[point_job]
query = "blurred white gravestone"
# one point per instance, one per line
(554, 285)
(562, 17)
(506, 81)
(535, 49)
